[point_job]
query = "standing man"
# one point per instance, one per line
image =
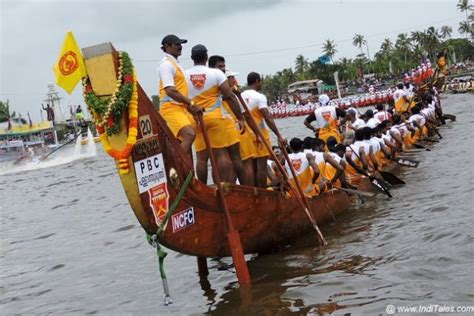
(400, 97)
(258, 107)
(326, 117)
(174, 102)
(205, 87)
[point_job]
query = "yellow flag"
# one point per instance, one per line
(69, 68)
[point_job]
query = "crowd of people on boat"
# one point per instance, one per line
(459, 85)
(347, 145)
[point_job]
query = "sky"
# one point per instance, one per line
(254, 35)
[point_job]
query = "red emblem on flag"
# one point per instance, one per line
(198, 80)
(68, 63)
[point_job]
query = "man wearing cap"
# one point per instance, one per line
(258, 108)
(174, 102)
(205, 87)
(326, 117)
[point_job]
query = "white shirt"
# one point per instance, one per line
(398, 94)
(201, 78)
(373, 122)
(354, 149)
(418, 118)
(382, 116)
(323, 114)
(166, 70)
(254, 99)
(358, 123)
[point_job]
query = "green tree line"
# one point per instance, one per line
(391, 59)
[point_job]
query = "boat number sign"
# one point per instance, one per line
(145, 126)
(151, 178)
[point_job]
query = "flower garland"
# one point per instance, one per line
(122, 155)
(107, 112)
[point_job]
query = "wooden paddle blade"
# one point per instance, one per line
(358, 192)
(420, 146)
(379, 185)
(391, 178)
(431, 140)
(238, 257)
(402, 161)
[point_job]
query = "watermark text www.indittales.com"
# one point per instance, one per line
(428, 308)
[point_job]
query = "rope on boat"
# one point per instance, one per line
(153, 238)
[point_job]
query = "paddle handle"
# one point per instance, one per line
(233, 237)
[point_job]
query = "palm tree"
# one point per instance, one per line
(301, 64)
(329, 48)
(386, 46)
(445, 31)
(403, 44)
(465, 28)
(359, 41)
(464, 6)
(5, 111)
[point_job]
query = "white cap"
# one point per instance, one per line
(230, 73)
(323, 99)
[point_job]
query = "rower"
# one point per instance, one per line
(258, 107)
(381, 114)
(337, 152)
(323, 159)
(388, 142)
(175, 105)
(356, 159)
(326, 117)
(305, 167)
(205, 87)
(406, 130)
(371, 120)
(373, 148)
(384, 152)
(418, 121)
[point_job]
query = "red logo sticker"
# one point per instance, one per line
(159, 197)
(198, 80)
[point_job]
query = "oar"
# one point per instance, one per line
(358, 192)
(378, 183)
(391, 178)
(430, 140)
(300, 197)
(59, 147)
(420, 147)
(233, 236)
(402, 161)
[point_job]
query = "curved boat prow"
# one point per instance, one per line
(102, 66)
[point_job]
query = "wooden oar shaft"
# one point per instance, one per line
(297, 193)
(235, 244)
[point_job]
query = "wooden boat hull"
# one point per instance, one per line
(158, 167)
